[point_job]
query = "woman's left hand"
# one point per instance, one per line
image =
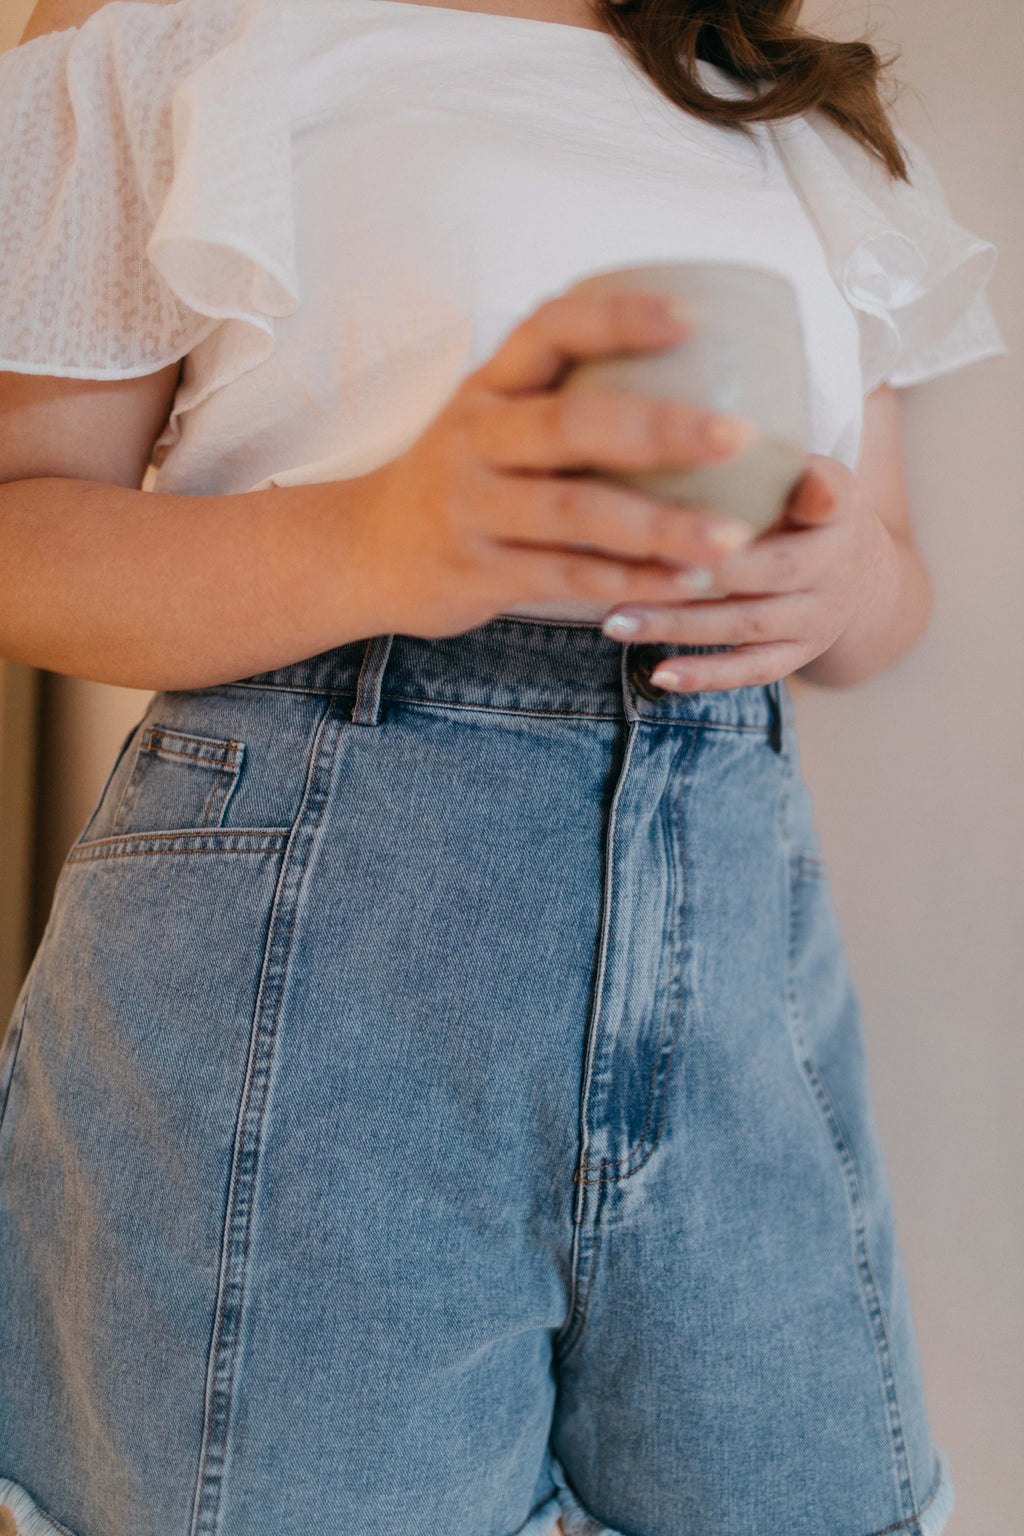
(780, 600)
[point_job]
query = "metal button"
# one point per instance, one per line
(643, 662)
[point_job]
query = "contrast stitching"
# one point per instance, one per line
(678, 933)
(614, 1162)
(212, 838)
(271, 945)
(167, 853)
(157, 732)
(869, 1288)
(220, 773)
(913, 1519)
(194, 832)
(222, 763)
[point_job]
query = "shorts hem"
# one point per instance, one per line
(930, 1520)
(29, 1519)
(938, 1506)
(576, 1521)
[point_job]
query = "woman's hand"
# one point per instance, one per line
(781, 600)
(503, 499)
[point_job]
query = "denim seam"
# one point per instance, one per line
(203, 840)
(568, 1337)
(229, 751)
(678, 932)
(17, 1035)
(217, 764)
(124, 802)
(216, 803)
(245, 1158)
(867, 1282)
(115, 765)
(593, 1031)
(501, 709)
(562, 714)
(914, 1519)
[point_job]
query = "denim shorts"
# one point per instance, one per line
(438, 1104)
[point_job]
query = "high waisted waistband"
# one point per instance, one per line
(527, 665)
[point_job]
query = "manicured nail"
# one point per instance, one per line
(678, 310)
(726, 434)
(666, 677)
(619, 626)
(729, 535)
(697, 578)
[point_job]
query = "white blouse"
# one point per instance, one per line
(336, 209)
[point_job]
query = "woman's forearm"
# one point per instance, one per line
(887, 626)
(158, 591)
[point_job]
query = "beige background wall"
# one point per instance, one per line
(917, 777)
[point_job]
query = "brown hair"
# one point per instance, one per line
(760, 43)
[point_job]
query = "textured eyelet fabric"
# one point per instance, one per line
(458, 1119)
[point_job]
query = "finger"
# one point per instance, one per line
(523, 571)
(753, 621)
(579, 325)
(813, 500)
(604, 429)
(796, 560)
(565, 511)
(749, 666)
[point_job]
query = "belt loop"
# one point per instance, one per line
(366, 709)
(774, 692)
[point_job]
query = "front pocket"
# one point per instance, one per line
(178, 781)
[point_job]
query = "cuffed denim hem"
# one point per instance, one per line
(938, 1506)
(930, 1520)
(576, 1521)
(29, 1519)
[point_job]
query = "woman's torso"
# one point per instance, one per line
(449, 171)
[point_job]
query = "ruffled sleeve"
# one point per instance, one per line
(145, 193)
(914, 277)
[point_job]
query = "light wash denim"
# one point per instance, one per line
(438, 1103)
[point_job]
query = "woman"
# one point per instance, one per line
(438, 1102)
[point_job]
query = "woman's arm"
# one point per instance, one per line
(102, 580)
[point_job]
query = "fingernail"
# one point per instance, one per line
(619, 626)
(697, 578)
(728, 535)
(665, 677)
(726, 434)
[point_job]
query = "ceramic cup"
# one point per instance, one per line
(744, 357)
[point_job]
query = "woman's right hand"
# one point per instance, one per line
(479, 514)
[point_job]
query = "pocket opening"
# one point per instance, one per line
(178, 781)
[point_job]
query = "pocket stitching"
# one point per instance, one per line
(195, 839)
(226, 767)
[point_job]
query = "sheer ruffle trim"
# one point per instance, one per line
(146, 198)
(913, 275)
